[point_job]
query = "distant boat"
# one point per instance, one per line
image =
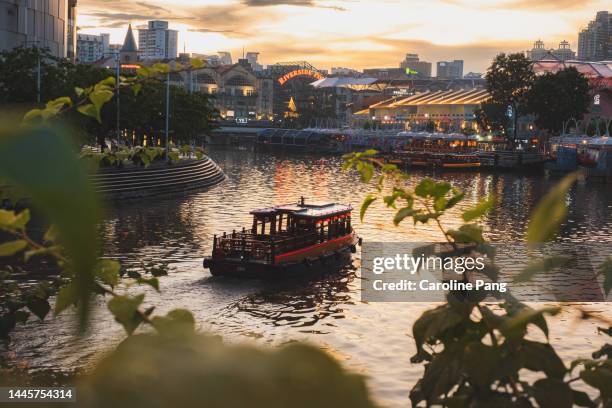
(286, 240)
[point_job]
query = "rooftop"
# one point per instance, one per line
(306, 210)
(473, 96)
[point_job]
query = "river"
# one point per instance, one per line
(371, 338)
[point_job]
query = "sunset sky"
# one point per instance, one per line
(351, 33)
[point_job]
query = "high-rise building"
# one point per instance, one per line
(450, 69)
(416, 67)
(225, 58)
(157, 41)
(44, 24)
(595, 41)
(253, 57)
(91, 48)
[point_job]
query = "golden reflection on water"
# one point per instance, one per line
(373, 338)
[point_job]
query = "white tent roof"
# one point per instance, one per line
(345, 82)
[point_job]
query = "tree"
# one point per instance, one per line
(509, 78)
(492, 117)
(556, 97)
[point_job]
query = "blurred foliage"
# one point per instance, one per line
(475, 355)
(183, 369)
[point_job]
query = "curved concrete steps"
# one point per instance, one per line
(157, 179)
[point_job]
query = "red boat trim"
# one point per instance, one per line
(299, 251)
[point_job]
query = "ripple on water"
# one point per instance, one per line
(372, 338)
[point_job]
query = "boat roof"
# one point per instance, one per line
(312, 211)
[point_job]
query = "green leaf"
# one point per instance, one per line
(196, 63)
(455, 199)
(13, 247)
(52, 234)
(32, 114)
(153, 282)
(90, 110)
(516, 326)
(136, 88)
(605, 269)
(425, 187)
(21, 220)
(143, 72)
(40, 307)
(21, 316)
(550, 392)
(480, 209)
(365, 205)
(582, 399)
(468, 233)
(402, 213)
(66, 297)
(550, 212)
(541, 265)
(54, 249)
(100, 97)
(157, 272)
(542, 357)
(125, 310)
(109, 81)
(174, 157)
(107, 272)
(78, 91)
(176, 322)
(161, 68)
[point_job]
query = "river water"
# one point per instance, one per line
(371, 338)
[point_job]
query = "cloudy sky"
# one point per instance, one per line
(354, 33)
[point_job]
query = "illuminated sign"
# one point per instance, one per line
(299, 72)
(130, 66)
(597, 100)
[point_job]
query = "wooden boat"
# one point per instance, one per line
(286, 240)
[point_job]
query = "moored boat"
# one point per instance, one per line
(286, 240)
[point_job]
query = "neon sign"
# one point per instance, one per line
(299, 72)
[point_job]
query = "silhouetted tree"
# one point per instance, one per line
(557, 97)
(509, 78)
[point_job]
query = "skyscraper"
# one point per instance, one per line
(44, 24)
(595, 41)
(418, 68)
(157, 41)
(450, 69)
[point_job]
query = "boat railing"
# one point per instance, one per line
(246, 245)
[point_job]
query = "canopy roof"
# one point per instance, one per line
(311, 211)
(592, 70)
(358, 84)
(473, 96)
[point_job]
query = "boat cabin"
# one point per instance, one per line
(284, 229)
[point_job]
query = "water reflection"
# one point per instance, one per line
(372, 338)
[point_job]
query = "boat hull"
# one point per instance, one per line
(319, 259)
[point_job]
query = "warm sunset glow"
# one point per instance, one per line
(358, 34)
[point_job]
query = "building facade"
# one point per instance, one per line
(46, 24)
(92, 48)
(450, 69)
(540, 52)
(157, 41)
(239, 91)
(418, 68)
(595, 41)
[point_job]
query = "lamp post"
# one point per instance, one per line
(167, 113)
(118, 70)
